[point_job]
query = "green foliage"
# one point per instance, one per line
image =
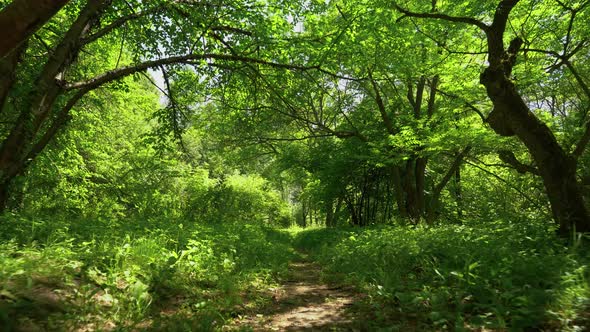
(247, 199)
(133, 273)
(108, 165)
(497, 275)
(152, 207)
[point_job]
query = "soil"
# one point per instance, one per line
(304, 303)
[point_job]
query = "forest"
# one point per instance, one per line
(294, 165)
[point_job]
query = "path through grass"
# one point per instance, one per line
(304, 303)
(166, 276)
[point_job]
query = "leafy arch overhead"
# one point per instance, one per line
(152, 34)
(364, 110)
(206, 165)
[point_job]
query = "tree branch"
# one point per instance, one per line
(582, 143)
(432, 96)
(495, 34)
(509, 158)
(60, 120)
(419, 97)
(456, 163)
(287, 139)
(21, 18)
(525, 196)
(466, 103)
(126, 71)
(118, 23)
(8, 66)
(381, 106)
(231, 29)
(578, 78)
(455, 19)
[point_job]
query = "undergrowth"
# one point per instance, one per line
(168, 275)
(497, 275)
(130, 274)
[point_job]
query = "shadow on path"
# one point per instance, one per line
(304, 303)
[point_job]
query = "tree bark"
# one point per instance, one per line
(458, 193)
(8, 66)
(21, 18)
(511, 116)
(410, 191)
(329, 213)
(21, 141)
(398, 191)
(3, 197)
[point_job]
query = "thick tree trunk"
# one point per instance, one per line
(3, 197)
(410, 190)
(21, 18)
(398, 190)
(511, 116)
(25, 137)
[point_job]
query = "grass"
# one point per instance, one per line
(497, 275)
(163, 275)
(157, 275)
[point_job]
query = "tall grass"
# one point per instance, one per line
(160, 275)
(496, 275)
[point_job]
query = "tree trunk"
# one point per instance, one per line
(511, 116)
(410, 190)
(434, 199)
(22, 141)
(420, 174)
(339, 201)
(21, 18)
(398, 190)
(329, 213)
(8, 73)
(458, 193)
(354, 218)
(3, 197)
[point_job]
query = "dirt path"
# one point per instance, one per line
(303, 303)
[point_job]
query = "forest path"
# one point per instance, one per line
(304, 303)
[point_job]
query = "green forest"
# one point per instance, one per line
(294, 165)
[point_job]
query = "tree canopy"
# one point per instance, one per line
(184, 120)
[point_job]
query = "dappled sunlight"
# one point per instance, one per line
(302, 302)
(274, 165)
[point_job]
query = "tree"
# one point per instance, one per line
(209, 37)
(511, 115)
(388, 113)
(21, 18)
